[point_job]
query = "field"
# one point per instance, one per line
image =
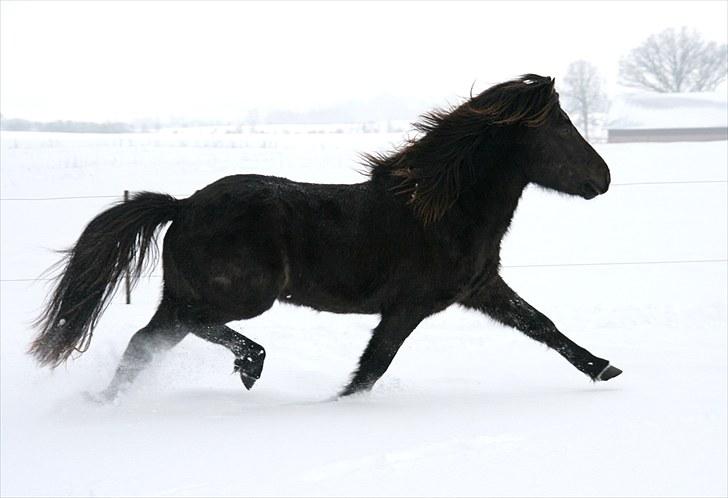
(468, 407)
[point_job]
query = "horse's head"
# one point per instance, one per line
(553, 154)
(517, 125)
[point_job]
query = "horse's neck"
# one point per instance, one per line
(482, 213)
(504, 207)
(492, 205)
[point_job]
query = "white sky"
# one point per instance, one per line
(125, 60)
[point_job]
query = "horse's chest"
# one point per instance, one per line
(477, 273)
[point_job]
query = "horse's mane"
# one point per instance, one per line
(430, 169)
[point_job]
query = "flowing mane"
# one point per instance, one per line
(430, 169)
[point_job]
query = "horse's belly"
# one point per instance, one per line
(332, 304)
(332, 296)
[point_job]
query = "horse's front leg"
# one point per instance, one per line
(394, 327)
(501, 303)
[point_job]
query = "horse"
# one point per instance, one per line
(422, 233)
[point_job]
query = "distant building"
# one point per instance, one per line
(668, 117)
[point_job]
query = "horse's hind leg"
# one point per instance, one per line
(249, 355)
(386, 340)
(162, 333)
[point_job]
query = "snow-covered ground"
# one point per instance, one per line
(468, 407)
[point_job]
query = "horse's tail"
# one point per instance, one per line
(115, 242)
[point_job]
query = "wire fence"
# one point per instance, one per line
(534, 265)
(623, 184)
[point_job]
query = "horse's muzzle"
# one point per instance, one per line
(592, 188)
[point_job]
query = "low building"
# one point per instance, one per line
(668, 117)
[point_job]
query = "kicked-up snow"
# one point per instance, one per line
(468, 406)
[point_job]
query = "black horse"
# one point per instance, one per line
(423, 233)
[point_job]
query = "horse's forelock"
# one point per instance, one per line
(527, 100)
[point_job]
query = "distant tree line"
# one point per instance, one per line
(65, 126)
(675, 61)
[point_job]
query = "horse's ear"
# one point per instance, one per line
(548, 89)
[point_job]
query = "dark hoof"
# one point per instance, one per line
(609, 373)
(348, 391)
(248, 382)
(355, 388)
(250, 368)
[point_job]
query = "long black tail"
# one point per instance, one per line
(116, 241)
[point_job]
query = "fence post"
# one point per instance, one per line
(127, 279)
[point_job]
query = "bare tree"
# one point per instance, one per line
(675, 61)
(583, 94)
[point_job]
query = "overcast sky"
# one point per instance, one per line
(126, 60)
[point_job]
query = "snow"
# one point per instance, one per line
(639, 110)
(468, 407)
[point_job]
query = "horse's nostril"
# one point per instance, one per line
(589, 190)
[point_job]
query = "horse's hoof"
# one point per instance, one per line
(102, 397)
(250, 368)
(356, 387)
(95, 397)
(248, 382)
(609, 373)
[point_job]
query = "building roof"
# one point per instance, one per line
(650, 110)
